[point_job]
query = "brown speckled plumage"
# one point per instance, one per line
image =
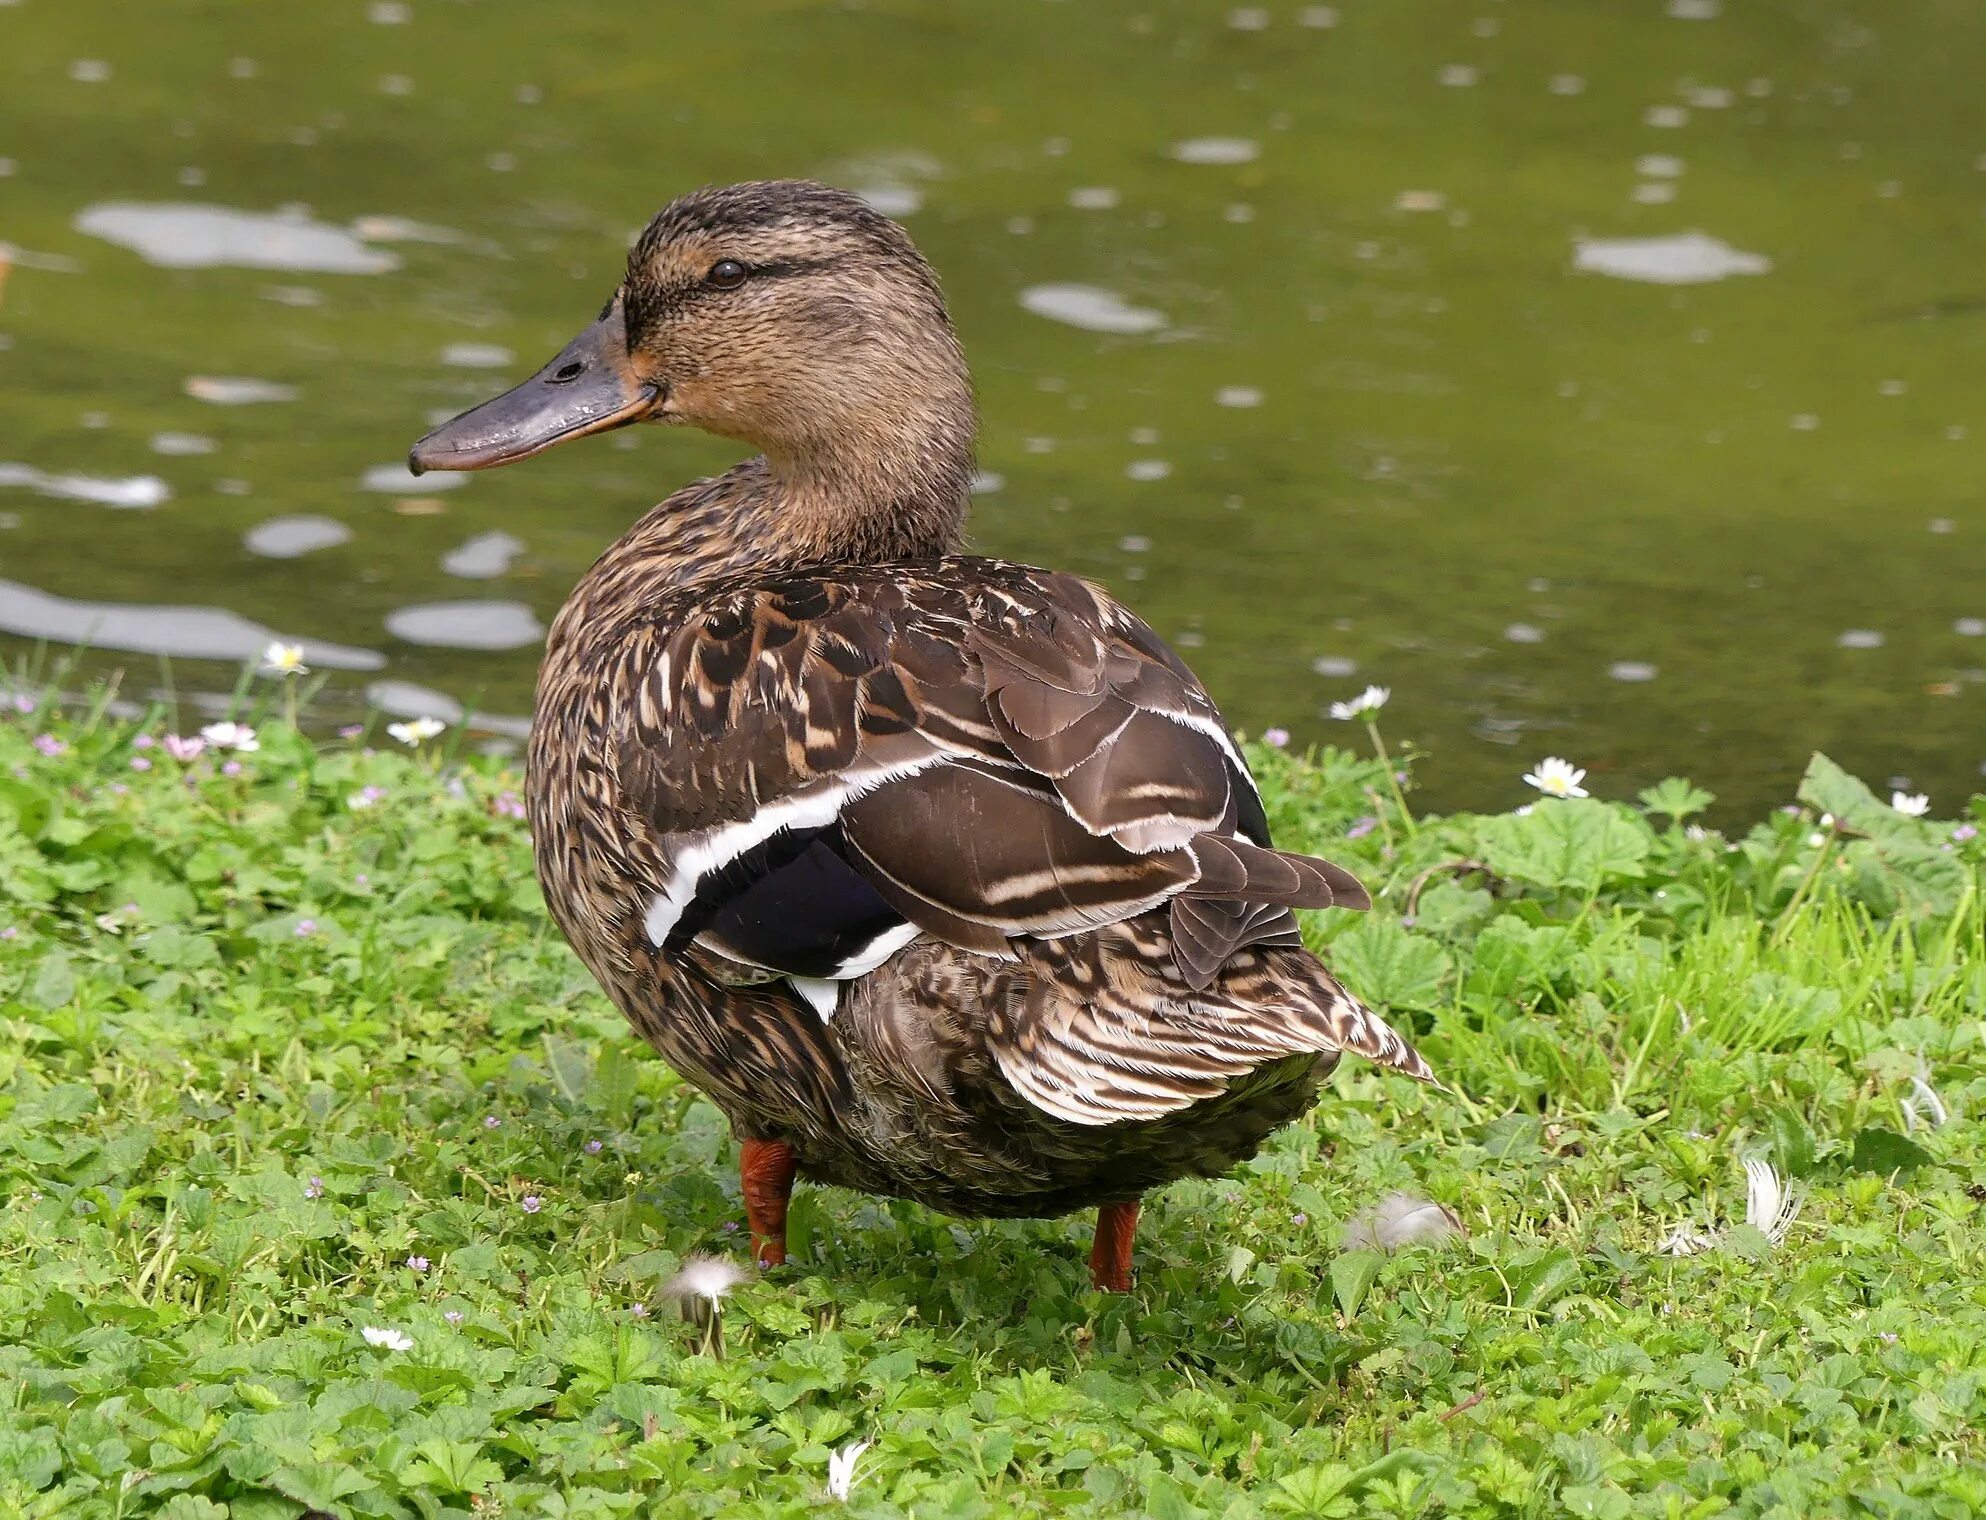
(792, 669)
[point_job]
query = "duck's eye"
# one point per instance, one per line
(725, 274)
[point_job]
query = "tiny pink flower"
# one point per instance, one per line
(49, 745)
(10, 932)
(184, 747)
(1276, 738)
(1964, 832)
(143, 741)
(639, 1311)
(314, 1188)
(417, 1263)
(532, 1203)
(352, 731)
(509, 805)
(491, 1121)
(1361, 827)
(305, 928)
(593, 1147)
(231, 768)
(1299, 1219)
(23, 703)
(140, 763)
(453, 1316)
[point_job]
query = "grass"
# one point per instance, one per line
(284, 1059)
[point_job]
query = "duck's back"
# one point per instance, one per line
(964, 831)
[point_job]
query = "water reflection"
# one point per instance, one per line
(1688, 258)
(293, 536)
(206, 237)
(191, 633)
(483, 557)
(1092, 307)
(467, 625)
(127, 492)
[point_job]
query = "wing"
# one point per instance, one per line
(835, 764)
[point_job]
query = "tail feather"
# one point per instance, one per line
(1103, 1030)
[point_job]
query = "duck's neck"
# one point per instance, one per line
(875, 490)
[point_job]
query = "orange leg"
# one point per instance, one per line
(766, 1168)
(1110, 1257)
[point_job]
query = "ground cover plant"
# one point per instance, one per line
(332, 1185)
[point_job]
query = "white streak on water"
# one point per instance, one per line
(1686, 258)
(188, 236)
(1091, 307)
(189, 633)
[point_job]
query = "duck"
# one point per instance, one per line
(940, 875)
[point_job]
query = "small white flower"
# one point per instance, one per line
(1368, 701)
(1910, 804)
(1695, 832)
(284, 660)
(234, 736)
(1924, 1106)
(419, 731)
(387, 1340)
(841, 1469)
(1770, 1206)
(1557, 778)
(708, 1278)
(1400, 1219)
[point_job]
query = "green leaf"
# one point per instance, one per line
(1550, 1277)
(1884, 1151)
(1383, 963)
(1792, 1142)
(1675, 798)
(1352, 1276)
(1575, 843)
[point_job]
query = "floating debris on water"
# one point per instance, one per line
(1094, 198)
(1667, 117)
(1238, 396)
(236, 390)
(986, 482)
(1457, 76)
(128, 492)
(1859, 638)
(1633, 671)
(1658, 166)
(477, 355)
(1524, 633)
(182, 443)
(1684, 258)
(1148, 469)
(1217, 150)
(293, 536)
(190, 633)
(483, 557)
(1420, 200)
(466, 625)
(1566, 84)
(207, 237)
(1092, 307)
(1333, 665)
(398, 480)
(1655, 192)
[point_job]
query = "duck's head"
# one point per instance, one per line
(784, 313)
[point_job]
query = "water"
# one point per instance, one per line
(1606, 381)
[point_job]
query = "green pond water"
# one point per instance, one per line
(1604, 378)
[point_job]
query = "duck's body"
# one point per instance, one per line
(940, 875)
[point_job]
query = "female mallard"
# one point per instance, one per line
(940, 875)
